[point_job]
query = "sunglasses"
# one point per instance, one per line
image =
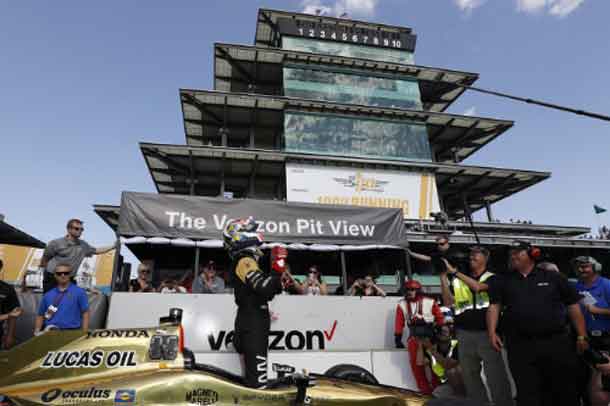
(62, 273)
(78, 228)
(411, 290)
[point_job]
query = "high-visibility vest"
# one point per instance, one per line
(463, 296)
(436, 366)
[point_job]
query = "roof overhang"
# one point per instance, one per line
(511, 228)
(260, 118)
(13, 236)
(245, 69)
(489, 233)
(210, 171)
(268, 31)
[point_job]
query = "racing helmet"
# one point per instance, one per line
(447, 315)
(240, 236)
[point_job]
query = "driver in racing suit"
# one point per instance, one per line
(253, 289)
(417, 309)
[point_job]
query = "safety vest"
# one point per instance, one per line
(436, 366)
(463, 296)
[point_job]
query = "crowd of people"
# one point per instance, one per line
(553, 334)
(209, 280)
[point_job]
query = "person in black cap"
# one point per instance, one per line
(541, 353)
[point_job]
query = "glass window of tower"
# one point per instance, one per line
(351, 88)
(347, 50)
(357, 137)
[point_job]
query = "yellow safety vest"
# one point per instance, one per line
(436, 366)
(463, 296)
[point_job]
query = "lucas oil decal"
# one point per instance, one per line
(89, 359)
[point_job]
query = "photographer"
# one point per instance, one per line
(443, 253)
(366, 287)
(470, 300)
(314, 285)
(442, 352)
(420, 314)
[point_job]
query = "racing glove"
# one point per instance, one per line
(279, 255)
(398, 341)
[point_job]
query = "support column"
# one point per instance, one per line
(196, 263)
(344, 273)
(490, 216)
(116, 272)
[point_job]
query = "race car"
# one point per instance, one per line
(125, 367)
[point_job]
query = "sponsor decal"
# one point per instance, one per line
(125, 397)
(50, 395)
(267, 397)
(361, 183)
(89, 359)
(76, 396)
(281, 340)
(202, 397)
(118, 334)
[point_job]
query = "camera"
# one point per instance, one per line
(420, 329)
(594, 357)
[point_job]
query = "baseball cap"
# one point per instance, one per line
(519, 245)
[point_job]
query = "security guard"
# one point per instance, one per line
(540, 352)
(468, 295)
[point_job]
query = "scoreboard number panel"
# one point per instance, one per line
(340, 33)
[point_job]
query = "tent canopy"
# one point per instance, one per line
(14, 236)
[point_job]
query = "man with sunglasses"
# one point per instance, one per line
(437, 258)
(70, 250)
(65, 307)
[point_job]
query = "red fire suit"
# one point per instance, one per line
(407, 311)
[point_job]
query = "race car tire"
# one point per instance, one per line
(352, 373)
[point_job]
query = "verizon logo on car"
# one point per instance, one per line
(281, 340)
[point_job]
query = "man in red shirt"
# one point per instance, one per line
(420, 314)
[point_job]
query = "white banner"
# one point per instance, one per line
(307, 332)
(304, 323)
(415, 193)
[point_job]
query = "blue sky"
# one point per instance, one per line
(81, 83)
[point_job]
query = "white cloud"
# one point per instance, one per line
(562, 8)
(558, 8)
(531, 6)
(354, 8)
(470, 111)
(315, 7)
(469, 5)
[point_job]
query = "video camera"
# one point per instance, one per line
(594, 357)
(421, 329)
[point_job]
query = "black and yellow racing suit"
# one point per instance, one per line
(253, 290)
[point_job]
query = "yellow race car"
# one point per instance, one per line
(126, 367)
